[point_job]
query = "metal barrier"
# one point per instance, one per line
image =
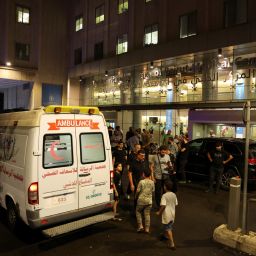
(234, 203)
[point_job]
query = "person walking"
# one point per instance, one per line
(135, 173)
(160, 164)
(218, 158)
(167, 211)
(144, 195)
(130, 159)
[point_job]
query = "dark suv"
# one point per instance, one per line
(198, 163)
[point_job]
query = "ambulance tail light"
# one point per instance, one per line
(33, 193)
(111, 179)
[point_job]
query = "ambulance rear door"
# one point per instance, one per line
(58, 187)
(94, 160)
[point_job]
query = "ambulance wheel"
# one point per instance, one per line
(12, 215)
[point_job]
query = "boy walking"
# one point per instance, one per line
(167, 210)
(144, 194)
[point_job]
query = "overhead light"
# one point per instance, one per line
(151, 64)
(219, 52)
(8, 63)
(80, 79)
(106, 73)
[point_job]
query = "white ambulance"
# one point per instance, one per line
(55, 166)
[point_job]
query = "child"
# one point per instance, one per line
(167, 210)
(117, 187)
(144, 194)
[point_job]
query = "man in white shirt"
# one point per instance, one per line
(160, 164)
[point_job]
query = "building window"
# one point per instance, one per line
(79, 23)
(22, 14)
(22, 51)
(99, 14)
(122, 6)
(122, 44)
(235, 12)
(78, 56)
(98, 51)
(151, 35)
(188, 25)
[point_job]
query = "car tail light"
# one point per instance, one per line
(33, 193)
(252, 161)
(111, 179)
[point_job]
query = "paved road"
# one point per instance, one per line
(198, 213)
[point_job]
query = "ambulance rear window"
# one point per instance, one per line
(92, 148)
(57, 150)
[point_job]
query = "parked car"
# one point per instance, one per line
(198, 163)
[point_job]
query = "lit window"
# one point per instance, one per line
(22, 51)
(79, 23)
(188, 25)
(22, 14)
(122, 44)
(151, 35)
(122, 6)
(99, 14)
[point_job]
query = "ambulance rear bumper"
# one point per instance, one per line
(35, 222)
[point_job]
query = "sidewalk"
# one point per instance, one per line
(235, 239)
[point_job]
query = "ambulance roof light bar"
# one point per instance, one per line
(57, 109)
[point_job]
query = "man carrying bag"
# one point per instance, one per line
(162, 170)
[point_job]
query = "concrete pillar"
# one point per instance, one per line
(209, 78)
(234, 203)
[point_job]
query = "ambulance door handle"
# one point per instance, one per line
(99, 184)
(84, 174)
(36, 153)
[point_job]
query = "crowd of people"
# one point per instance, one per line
(152, 174)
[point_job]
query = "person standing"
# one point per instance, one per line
(133, 140)
(135, 173)
(145, 142)
(144, 195)
(166, 136)
(218, 158)
(160, 164)
(183, 158)
(117, 186)
(120, 156)
(167, 211)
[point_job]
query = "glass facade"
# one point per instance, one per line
(206, 77)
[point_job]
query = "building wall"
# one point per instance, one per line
(210, 31)
(3, 31)
(47, 36)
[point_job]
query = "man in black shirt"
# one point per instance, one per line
(218, 158)
(119, 154)
(183, 158)
(136, 170)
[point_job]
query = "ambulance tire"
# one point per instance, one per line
(12, 215)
